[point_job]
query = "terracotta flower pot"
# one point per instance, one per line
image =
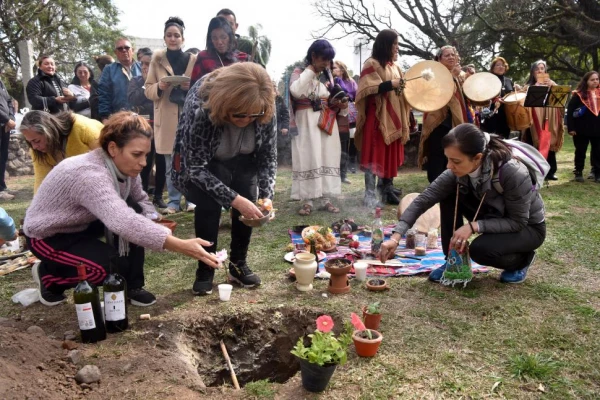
(338, 282)
(367, 347)
(371, 321)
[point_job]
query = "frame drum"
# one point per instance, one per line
(482, 87)
(431, 95)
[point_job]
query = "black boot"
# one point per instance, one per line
(397, 192)
(387, 193)
(370, 199)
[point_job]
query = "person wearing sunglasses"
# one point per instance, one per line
(225, 155)
(114, 81)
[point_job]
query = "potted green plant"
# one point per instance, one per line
(366, 341)
(372, 315)
(319, 360)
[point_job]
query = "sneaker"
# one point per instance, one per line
(346, 181)
(141, 297)
(579, 177)
(436, 274)
(170, 210)
(47, 297)
(203, 285)
(159, 203)
(592, 174)
(240, 273)
(518, 275)
(4, 195)
(190, 207)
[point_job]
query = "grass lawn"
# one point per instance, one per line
(535, 340)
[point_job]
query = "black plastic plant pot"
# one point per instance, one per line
(315, 378)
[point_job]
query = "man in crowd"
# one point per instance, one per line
(7, 123)
(112, 88)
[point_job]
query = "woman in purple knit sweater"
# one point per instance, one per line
(100, 194)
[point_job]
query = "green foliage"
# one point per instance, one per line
(533, 366)
(254, 43)
(68, 30)
(325, 348)
(374, 308)
(260, 389)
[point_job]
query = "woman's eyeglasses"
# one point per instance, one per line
(243, 116)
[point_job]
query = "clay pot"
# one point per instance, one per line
(377, 284)
(305, 267)
(338, 282)
(169, 224)
(367, 347)
(372, 321)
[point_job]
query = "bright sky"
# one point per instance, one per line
(287, 23)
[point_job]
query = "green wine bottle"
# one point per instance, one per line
(89, 311)
(115, 300)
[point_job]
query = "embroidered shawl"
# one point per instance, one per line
(432, 120)
(391, 109)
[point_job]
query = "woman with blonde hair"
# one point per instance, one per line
(225, 155)
(52, 138)
(99, 195)
(46, 91)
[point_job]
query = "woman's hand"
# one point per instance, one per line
(388, 248)
(460, 237)
(572, 133)
(192, 248)
(396, 83)
(185, 85)
(67, 93)
(163, 85)
(247, 208)
(284, 131)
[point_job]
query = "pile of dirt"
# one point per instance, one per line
(34, 366)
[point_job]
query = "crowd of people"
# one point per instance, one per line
(214, 138)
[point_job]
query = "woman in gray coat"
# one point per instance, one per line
(511, 216)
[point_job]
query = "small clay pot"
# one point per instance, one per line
(338, 282)
(169, 224)
(366, 347)
(372, 321)
(377, 284)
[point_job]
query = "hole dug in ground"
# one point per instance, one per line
(258, 344)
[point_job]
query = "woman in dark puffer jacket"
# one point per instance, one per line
(511, 219)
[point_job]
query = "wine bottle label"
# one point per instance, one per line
(114, 306)
(85, 316)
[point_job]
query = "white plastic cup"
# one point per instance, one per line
(225, 291)
(360, 270)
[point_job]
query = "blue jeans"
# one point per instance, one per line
(174, 194)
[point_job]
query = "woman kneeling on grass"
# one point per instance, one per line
(225, 155)
(510, 221)
(100, 194)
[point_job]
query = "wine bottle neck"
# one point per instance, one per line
(81, 272)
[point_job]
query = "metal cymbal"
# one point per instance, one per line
(482, 87)
(429, 95)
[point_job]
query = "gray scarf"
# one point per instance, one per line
(116, 175)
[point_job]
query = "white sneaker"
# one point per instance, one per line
(4, 195)
(191, 207)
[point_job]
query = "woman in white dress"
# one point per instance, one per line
(315, 153)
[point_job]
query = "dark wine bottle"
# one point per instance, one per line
(89, 311)
(115, 300)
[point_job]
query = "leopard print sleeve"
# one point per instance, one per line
(266, 158)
